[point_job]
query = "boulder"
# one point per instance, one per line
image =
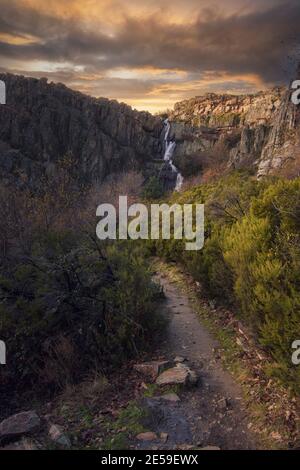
(170, 397)
(147, 436)
(23, 444)
(174, 376)
(19, 425)
(179, 375)
(152, 369)
(164, 437)
(57, 435)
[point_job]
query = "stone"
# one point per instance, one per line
(18, 425)
(223, 404)
(174, 376)
(57, 435)
(179, 359)
(170, 397)
(147, 436)
(185, 447)
(23, 444)
(181, 374)
(164, 437)
(210, 448)
(152, 369)
(192, 375)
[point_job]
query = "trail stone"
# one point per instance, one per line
(179, 359)
(164, 437)
(152, 369)
(56, 433)
(179, 375)
(210, 448)
(173, 376)
(171, 397)
(223, 403)
(147, 436)
(192, 375)
(19, 424)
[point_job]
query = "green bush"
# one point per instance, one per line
(153, 188)
(251, 258)
(69, 303)
(70, 306)
(263, 251)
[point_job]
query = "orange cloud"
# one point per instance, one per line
(150, 53)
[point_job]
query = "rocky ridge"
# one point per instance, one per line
(259, 131)
(43, 122)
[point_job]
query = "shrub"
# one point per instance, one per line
(251, 258)
(153, 188)
(70, 306)
(68, 303)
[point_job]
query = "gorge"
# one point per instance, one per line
(43, 123)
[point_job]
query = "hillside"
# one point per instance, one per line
(43, 122)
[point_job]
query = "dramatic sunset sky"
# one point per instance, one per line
(151, 53)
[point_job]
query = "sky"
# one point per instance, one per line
(152, 53)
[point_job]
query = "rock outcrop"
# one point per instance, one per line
(260, 131)
(212, 110)
(19, 425)
(282, 149)
(43, 122)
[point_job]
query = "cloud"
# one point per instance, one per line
(251, 42)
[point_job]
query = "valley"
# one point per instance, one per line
(214, 326)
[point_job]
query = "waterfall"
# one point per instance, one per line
(170, 146)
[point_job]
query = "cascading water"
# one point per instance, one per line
(170, 146)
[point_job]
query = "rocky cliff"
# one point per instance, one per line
(259, 131)
(212, 110)
(42, 122)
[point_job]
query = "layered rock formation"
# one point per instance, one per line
(41, 123)
(212, 110)
(258, 131)
(281, 153)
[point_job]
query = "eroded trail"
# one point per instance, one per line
(211, 413)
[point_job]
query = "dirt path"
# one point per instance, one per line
(210, 414)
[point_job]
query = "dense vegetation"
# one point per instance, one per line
(251, 258)
(69, 305)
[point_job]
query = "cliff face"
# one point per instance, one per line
(282, 149)
(41, 123)
(212, 110)
(260, 130)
